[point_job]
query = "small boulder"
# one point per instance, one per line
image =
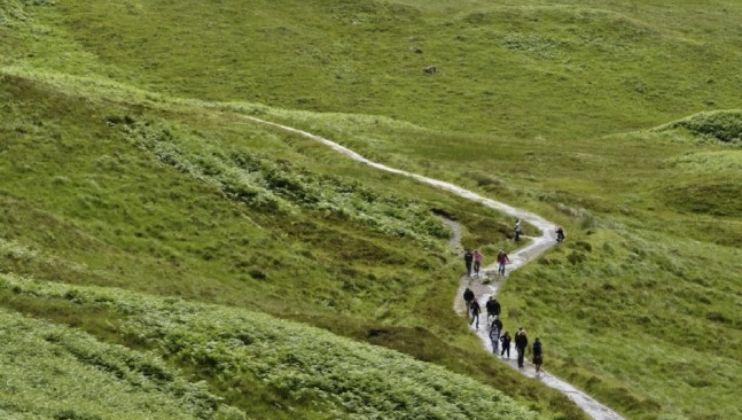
(430, 70)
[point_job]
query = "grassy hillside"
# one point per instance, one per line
(126, 161)
(110, 185)
(268, 368)
(505, 68)
(186, 201)
(648, 283)
(57, 372)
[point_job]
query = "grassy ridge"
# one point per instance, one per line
(504, 68)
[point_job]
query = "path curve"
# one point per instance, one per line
(518, 258)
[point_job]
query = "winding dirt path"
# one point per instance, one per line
(518, 258)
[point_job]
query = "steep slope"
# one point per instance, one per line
(56, 372)
(292, 367)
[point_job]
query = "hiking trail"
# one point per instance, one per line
(518, 258)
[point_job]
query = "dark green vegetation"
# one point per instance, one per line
(109, 179)
(307, 370)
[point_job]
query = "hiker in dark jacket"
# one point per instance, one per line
(538, 357)
(493, 308)
(468, 297)
(521, 344)
(474, 310)
(560, 234)
(505, 340)
(468, 258)
(495, 329)
(498, 323)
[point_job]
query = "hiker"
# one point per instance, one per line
(468, 297)
(560, 234)
(538, 358)
(498, 323)
(517, 230)
(495, 329)
(493, 308)
(502, 260)
(468, 257)
(477, 261)
(521, 344)
(505, 339)
(474, 310)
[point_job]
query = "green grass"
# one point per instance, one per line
(118, 211)
(308, 370)
(52, 371)
(505, 68)
(647, 282)
(125, 162)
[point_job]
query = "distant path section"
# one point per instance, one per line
(535, 247)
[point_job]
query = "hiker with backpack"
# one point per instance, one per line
(517, 230)
(493, 308)
(538, 358)
(474, 310)
(521, 345)
(477, 261)
(560, 234)
(502, 260)
(468, 258)
(497, 323)
(495, 329)
(505, 340)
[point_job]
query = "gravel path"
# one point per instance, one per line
(535, 247)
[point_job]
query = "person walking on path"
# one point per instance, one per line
(538, 357)
(505, 339)
(560, 234)
(521, 344)
(502, 260)
(493, 308)
(477, 261)
(517, 230)
(497, 323)
(474, 310)
(468, 297)
(468, 258)
(495, 329)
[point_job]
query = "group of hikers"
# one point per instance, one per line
(473, 259)
(473, 262)
(498, 336)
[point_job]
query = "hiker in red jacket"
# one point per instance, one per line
(477, 261)
(502, 259)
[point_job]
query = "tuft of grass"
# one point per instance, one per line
(724, 126)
